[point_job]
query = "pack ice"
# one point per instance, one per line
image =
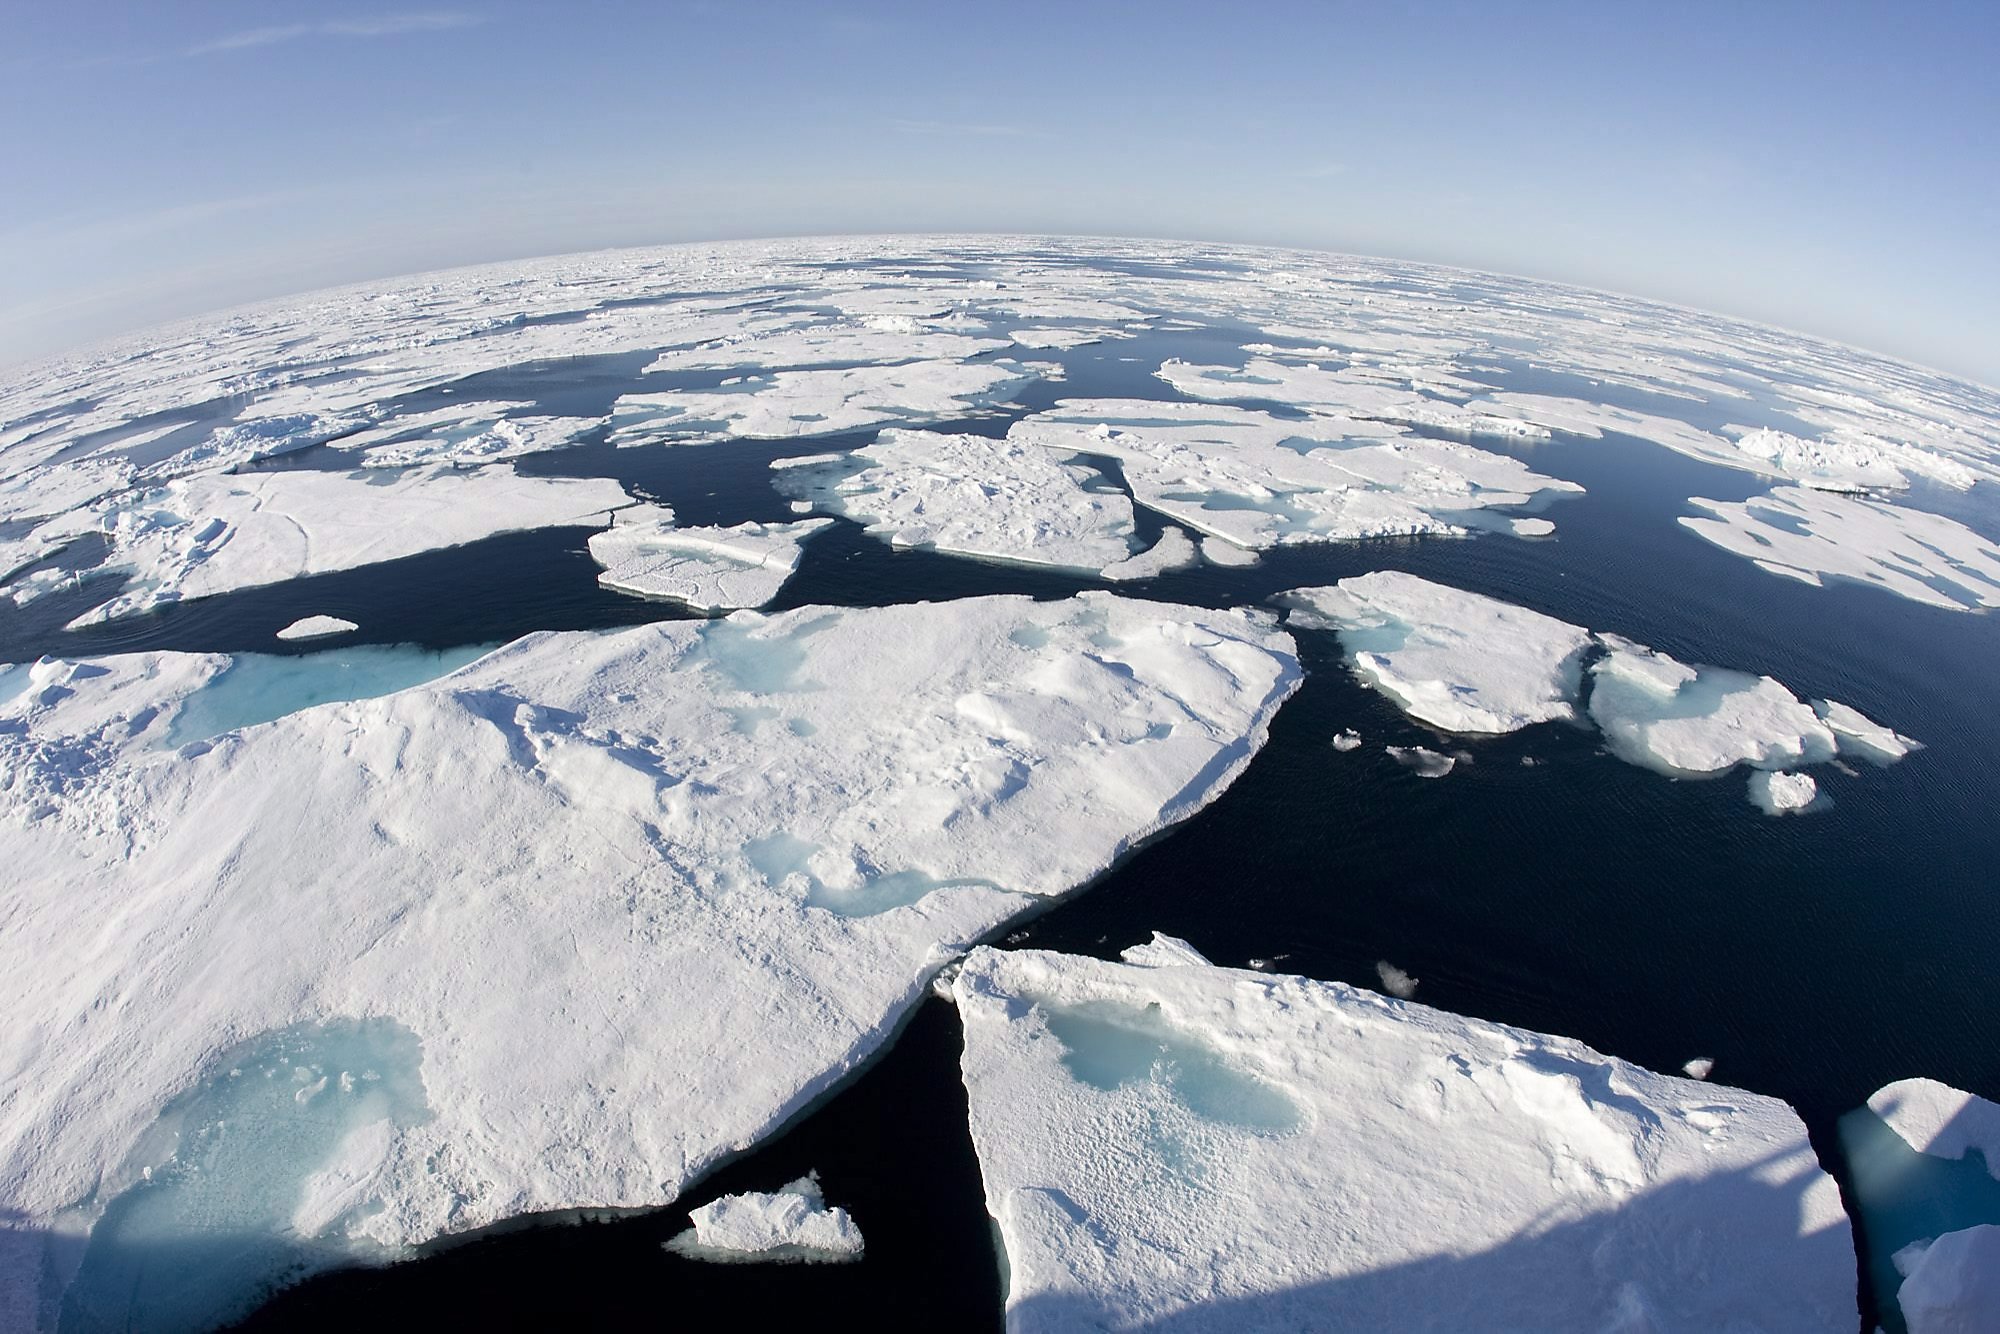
(1258, 481)
(709, 569)
(1812, 536)
(1463, 662)
(218, 532)
(601, 909)
(1168, 1144)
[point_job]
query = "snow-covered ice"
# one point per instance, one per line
(1394, 980)
(720, 818)
(1257, 481)
(1859, 735)
(1940, 1120)
(1691, 721)
(218, 532)
(1422, 760)
(793, 1223)
(1347, 739)
(1953, 1284)
(1776, 792)
(708, 569)
(973, 495)
(1172, 552)
(1179, 1145)
(1810, 536)
(317, 627)
(1456, 660)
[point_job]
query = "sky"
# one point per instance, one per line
(1827, 167)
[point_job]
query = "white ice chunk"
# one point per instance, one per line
(1163, 951)
(1938, 1119)
(1352, 392)
(1347, 739)
(465, 436)
(793, 1223)
(1809, 535)
(1859, 735)
(1693, 721)
(215, 532)
(1216, 551)
(1953, 1286)
(1172, 552)
(1207, 1148)
(721, 818)
(879, 342)
(708, 569)
(1776, 792)
(1394, 980)
(1456, 660)
(973, 495)
(1827, 465)
(1701, 1067)
(1422, 760)
(317, 627)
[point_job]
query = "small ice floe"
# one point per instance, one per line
(1776, 792)
(791, 1224)
(1422, 760)
(1701, 1067)
(317, 627)
(1347, 739)
(1394, 980)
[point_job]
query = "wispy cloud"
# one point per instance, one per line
(251, 39)
(973, 130)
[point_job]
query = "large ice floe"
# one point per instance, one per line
(1924, 1165)
(218, 532)
(1463, 662)
(446, 921)
(790, 1224)
(971, 494)
(1258, 481)
(709, 569)
(1170, 1145)
(1811, 536)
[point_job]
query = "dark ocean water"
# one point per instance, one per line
(1813, 958)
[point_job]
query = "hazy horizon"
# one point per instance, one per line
(1810, 167)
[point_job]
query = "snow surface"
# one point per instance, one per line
(708, 569)
(1858, 735)
(1780, 793)
(973, 495)
(218, 532)
(1172, 552)
(1192, 1147)
(317, 627)
(719, 821)
(1456, 660)
(465, 435)
(1938, 1119)
(1258, 481)
(1691, 721)
(791, 1223)
(1809, 536)
(1953, 1286)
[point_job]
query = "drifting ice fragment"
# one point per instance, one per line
(317, 627)
(1172, 552)
(1701, 1067)
(791, 1224)
(1204, 1148)
(1394, 980)
(1423, 761)
(1780, 793)
(1453, 659)
(1857, 735)
(1691, 721)
(1953, 1284)
(1347, 739)
(707, 569)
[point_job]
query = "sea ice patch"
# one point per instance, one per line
(707, 569)
(791, 1224)
(1430, 1171)
(317, 627)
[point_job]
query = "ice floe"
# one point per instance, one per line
(973, 495)
(1780, 793)
(1347, 739)
(218, 532)
(317, 627)
(708, 569)
(722, 821)
(1179, 1145)
(1456, 660)
(1172, 552)
(465, 436)
(1689, 721)
(1471, 664)
(1256, 480)
(1952, 1285)
(785, 404)
(1810, 535)
(1940, 1120)
(793, 1223)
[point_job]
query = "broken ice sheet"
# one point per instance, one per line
(792, 1224)
(709, 569)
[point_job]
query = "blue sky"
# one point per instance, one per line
(1829, 167)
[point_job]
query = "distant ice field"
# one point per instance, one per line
(984, 416)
